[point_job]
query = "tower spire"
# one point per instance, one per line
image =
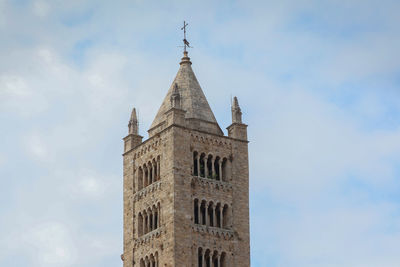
(237, 129)
(133, 139)
(133, 123)
(236, 111)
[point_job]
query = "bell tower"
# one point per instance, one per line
(186, 188)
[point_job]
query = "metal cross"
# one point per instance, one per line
(185, 42)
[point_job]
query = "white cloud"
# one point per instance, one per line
(13, 86)
(43, 244)
(90, 185)
(313, 145)
(41, 8)
(52, 243)
(85, 184)
(36, 147)
(349, 233)
(3, 159)
(15, 92)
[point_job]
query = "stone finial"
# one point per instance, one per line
(236, 112)
(176, 97)
(133, 123)
(185, 59)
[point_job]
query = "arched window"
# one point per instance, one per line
(215, 259)
(150, 221)
(209, 171)
(196, 211)
(150, 167)
(142, 263)
(218, 212)
(200, 257)
(225, 216)
(140, 178)
(203, 212)
(156, 258)
(195, 165)
(155, 170)
(222, 260)
(202, 165)
(159, 214)
(146, 222)
(217, 168)
(207, 258)
(146, 176)
(224, 169)
(148, 173)
(158, 168)
(211, 214)
(155, 213)
(140, 224)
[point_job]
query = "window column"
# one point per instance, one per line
(150, 173)
(213, 173)
(154, 172)
(214, 218)
(146, 176)
(143, 224)
(206, 213)
(159, 215)
(154, 219)
(220, 216)
(206, 172)
(198, 165)
(158, 169)
(220, 169)
(148, 223)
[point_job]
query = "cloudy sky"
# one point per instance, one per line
(318, 83)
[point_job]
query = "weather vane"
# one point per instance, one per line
(185, 42)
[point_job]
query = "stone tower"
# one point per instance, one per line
(186, 188)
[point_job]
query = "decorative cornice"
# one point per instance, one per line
(226, 234)
(189, 129)
(144, 239)
(147, 190)
(220, 185)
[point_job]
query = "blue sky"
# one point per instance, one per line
(318, 83)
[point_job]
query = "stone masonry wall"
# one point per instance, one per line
(177, 240)
(234, 240)
(160, 241)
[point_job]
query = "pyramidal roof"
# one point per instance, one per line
(193, 100)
